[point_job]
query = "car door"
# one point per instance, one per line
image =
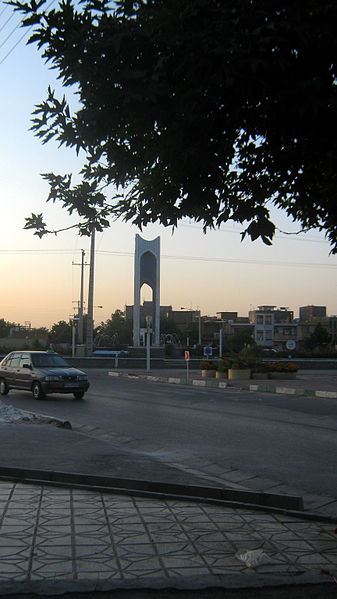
(11, 368)
(24, 372)
(6, 369)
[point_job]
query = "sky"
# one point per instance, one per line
(213, 272)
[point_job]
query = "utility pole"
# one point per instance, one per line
(90, 315)
(81, 303)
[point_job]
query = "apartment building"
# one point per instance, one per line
(311, 313)
(273, 326)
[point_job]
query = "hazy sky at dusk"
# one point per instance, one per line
(215, 272)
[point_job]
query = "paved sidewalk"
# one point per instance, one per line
(61, 538)
(57, 540)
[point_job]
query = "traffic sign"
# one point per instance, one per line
(208, 351)
(290, 344)
(187, 355)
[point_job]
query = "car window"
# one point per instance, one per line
(6, 360)
(15, 361)
(48, 361)
(25, 359)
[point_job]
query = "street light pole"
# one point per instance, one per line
(73, 335)
(220, 342)
(80, 315)
(148, 343)
(90, 316)
(81, 302)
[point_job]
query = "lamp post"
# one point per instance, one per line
(148, 344)
(73, 334)
(220, 341)
(90, 319)
(80, 303)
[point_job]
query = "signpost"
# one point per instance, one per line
(148, 342)
(187, 359)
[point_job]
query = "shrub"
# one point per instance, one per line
(283, 367)
(244, 360)
(207, 365)
(223, 364)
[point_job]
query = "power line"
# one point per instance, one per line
(51, 251)
(287, 237)
(6, 22)
(10, 35)
(3, 10)
(181, 258)
(16, 43)
(18, 26)
(231, 260)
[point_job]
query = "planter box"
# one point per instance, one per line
(208, 374)
(260, 376)
(241, 374)
(282, 375)
(221, 375)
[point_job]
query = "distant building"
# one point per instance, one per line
(184, 318)
(306, 327)
(227, 316)
(309, 313)
(146, 309)
(273, 326)
(230, 325)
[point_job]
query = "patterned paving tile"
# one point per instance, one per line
(14, 551)
(50, 537)
(51, 570)
(60, 534)
(187, 571)
(83, 539)
(140, 563)
(52, 552)
(331, 557)
(17, 530)
(183, 561)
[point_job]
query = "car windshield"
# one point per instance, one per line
(48, 360)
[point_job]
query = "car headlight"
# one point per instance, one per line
(52, 378)
(82, 377)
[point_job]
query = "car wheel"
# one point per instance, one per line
(37, 391)
(3, 387)
(78, 394)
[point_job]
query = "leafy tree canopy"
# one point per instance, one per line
(114, 331)
(5, 327)
(207, 109)
(61, 332)
(242, 342)
(319, 338)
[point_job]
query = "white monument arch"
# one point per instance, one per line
(147, 271)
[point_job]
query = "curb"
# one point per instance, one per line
(171, 379)
(224, 384)
(251, 500)
(36, 418)
(201, 586)
(133, 486)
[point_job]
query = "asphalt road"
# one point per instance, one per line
(285, 438)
